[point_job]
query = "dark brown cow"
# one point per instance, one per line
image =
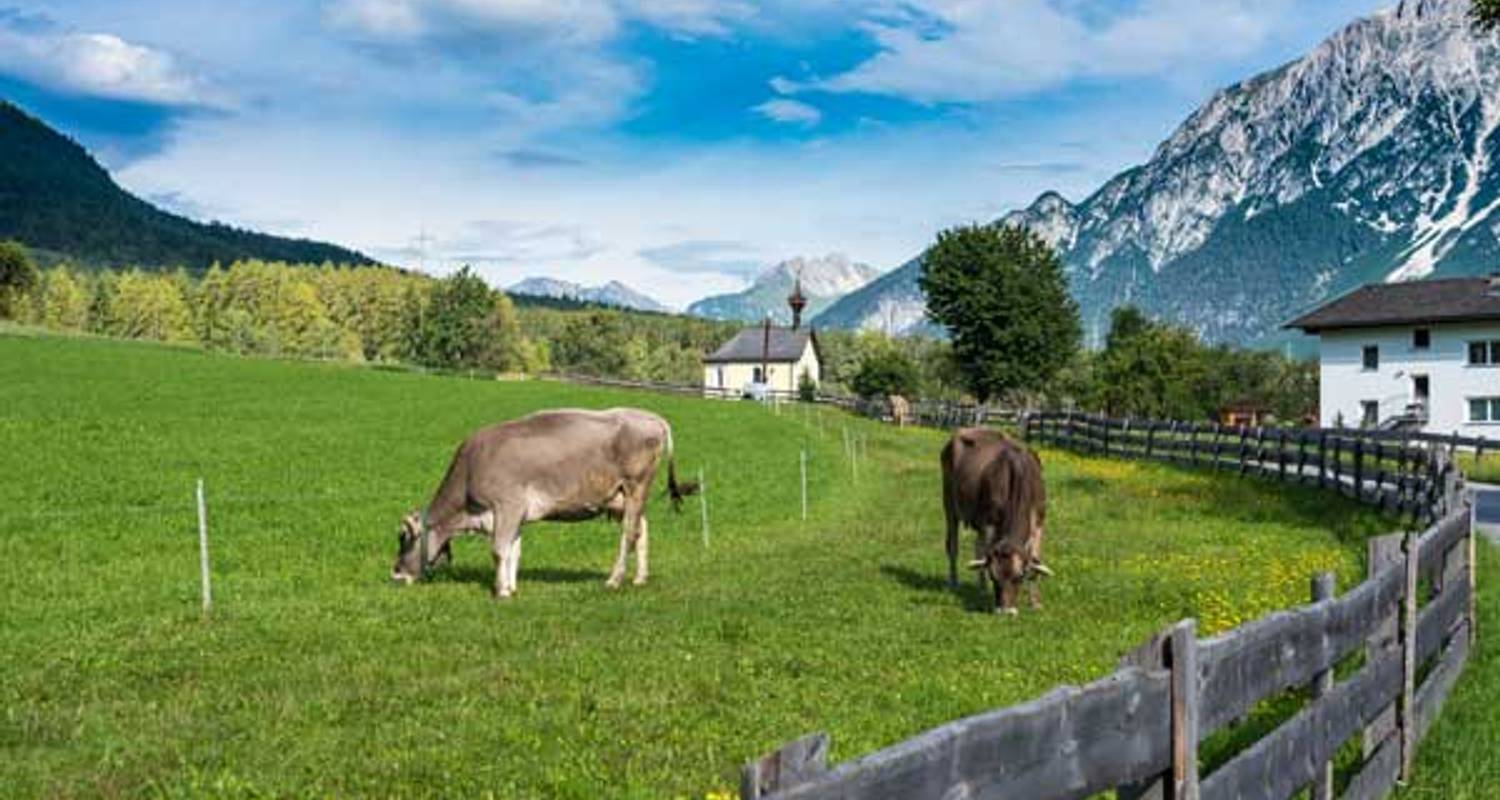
(553, 465)
(994, 485)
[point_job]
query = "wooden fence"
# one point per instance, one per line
(1413, 475)
(1138, 731)
(926, 413)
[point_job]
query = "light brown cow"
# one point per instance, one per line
(900, 411)
(553, 465)
(994, 485)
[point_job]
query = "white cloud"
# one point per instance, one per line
(579, 21)
(973, 51)
(103, 65)
(794, 112)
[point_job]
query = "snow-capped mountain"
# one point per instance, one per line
(824, 280)
(613, 293)
(1373, 158)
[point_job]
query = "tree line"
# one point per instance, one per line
(1001, 291)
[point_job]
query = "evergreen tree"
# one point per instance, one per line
(18, 278)
(1001, 293)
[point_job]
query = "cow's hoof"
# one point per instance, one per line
(1008, 612)
(503, 597)
(612, 583)
(639, 581)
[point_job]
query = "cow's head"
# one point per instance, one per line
(415, 552)
(1013, 561)
(1004, 564)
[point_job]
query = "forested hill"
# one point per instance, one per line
(55, 198)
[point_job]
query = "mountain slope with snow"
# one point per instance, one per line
(1373, 158)
(613, 293)
(824, 281)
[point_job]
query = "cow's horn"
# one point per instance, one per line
(977, 563)
(1042, 569)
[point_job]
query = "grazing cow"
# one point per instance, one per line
(900, 411)
(553, 465)
(994, 485)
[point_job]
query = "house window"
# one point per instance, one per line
(1421, 339)
(759, 377)
(1484, 409)
(1484, 354)
(1369, 413)
(720, 372)
(1371, 358)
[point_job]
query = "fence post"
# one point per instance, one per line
(1281, 455)
(703, 504)
(1383, 553)
(1359, 469)
(1244, 449)
(791, 766)
(1150, 438)
(803, 462)
(1322, 684)
(1183, 657)
(1407, 715)
(1322, 458)
(1473, 583)
(208, 600)
(1176, 650)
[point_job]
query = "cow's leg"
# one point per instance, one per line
(642, 546)
(952, 542)
(629, 520)
(1034, 588)
(515, 562)
(503, 535)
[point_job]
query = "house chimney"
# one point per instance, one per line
(797, 302)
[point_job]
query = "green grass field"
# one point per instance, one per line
(316, 677)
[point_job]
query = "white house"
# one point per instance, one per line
(766, 357)
(1423, 355)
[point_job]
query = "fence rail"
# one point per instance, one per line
(1415, 476)
(927, 413)
(1137, 731)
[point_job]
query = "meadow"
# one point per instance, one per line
(315, 676)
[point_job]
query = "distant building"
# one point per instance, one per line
(1423, 356)
(766, 357)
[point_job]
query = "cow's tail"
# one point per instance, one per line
(677, 490)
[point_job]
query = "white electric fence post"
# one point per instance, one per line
(203, 549)
(703, 504)
(804, 484)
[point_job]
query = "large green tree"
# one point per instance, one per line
(1001, 293)
(464, 324)
(886, 371)
(18, 277)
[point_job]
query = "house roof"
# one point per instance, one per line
(1416, 302)
(749, 346)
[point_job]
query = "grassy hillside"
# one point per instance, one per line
(316, 677)
(55, 198)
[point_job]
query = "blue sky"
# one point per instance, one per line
(678, 145)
